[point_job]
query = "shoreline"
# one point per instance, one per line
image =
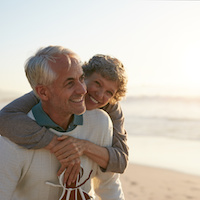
(152, 183)
(166, 153)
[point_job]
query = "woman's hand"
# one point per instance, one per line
(68, 148)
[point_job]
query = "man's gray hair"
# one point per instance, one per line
(38, 67)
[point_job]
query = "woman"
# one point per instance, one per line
(106, 85)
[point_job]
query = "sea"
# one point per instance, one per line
(163, 127)
(170, 117)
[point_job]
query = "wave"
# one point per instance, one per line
(166, 118)
(165, 98)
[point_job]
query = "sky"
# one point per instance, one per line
(157, 41)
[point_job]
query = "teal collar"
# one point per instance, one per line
(44, 120)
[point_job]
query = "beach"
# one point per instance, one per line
(164, 142)
(142, 182)
(162, 168)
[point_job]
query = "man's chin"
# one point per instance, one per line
(80, 111)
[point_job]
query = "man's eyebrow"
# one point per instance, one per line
(71, 78)
(68, 79)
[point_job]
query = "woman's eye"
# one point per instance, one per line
(97, 83)
(110, 93)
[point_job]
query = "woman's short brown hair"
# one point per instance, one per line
(110, 68)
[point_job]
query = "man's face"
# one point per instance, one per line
(67, 92)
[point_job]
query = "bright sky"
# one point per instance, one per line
(157, 41)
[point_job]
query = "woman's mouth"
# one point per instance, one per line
(93, 100)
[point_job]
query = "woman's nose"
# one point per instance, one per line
(100, 93)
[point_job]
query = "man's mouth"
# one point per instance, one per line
(77, 100)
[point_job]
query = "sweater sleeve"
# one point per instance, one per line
(15, 162)
(119, 151)
(19, 128)
(9, 173)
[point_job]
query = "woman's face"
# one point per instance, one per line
(99, 91)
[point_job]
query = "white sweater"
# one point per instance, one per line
(24, 173)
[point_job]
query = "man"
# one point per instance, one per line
(56, 76)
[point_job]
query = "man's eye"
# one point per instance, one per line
(82, 79)
(69, 84)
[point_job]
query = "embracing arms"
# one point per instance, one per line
(19, 128)
(25, 132)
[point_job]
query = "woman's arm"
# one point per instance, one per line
(25, 132)
(19, 128)
(110, 159)
(118, 153)
(71, 148)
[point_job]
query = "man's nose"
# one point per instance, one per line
(81, 88)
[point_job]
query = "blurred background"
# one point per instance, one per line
(159, 45)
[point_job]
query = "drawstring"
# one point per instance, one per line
(69, 190)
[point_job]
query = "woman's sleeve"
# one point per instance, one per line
(19, 128)
(119, 151)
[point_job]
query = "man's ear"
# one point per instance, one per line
(42, 92)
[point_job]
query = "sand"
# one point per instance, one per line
(151, 183)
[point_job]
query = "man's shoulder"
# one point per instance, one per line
(97, 118)
(98, 126)
(13, 150)
(97, 114)
(5, 143)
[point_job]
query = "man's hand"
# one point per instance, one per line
(68, 151)
(72, 170)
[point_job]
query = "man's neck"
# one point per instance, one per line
(58, 118)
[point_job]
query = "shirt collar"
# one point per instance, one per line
(44, 120)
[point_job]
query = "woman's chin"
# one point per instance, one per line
(91, 107)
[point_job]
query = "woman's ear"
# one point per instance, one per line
(42, 92)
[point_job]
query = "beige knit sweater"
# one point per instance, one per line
(24, 173)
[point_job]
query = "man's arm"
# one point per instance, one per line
(26, 132)
(9, 169)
